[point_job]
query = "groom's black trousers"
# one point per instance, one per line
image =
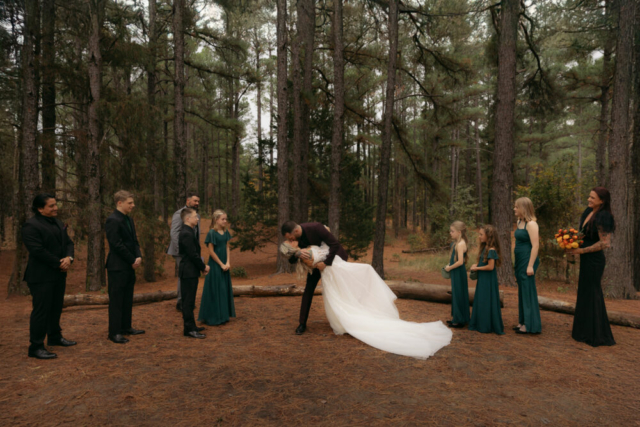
(307, 297)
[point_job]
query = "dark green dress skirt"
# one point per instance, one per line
(528, 309)
(217, 304)
(459, 292)
(486, 316)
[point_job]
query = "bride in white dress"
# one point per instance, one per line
(358, 302)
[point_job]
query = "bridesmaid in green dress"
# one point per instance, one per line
(459, 286)
(526, 265)
(486, 316)
(217, 296)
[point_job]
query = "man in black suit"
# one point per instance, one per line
(50, 256)
(124, 257)
(191, 265)
(308, 234)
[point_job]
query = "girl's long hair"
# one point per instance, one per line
(462, 228)
(492, 242)
(214, 219)
(526, 206)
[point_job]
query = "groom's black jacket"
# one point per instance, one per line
(314, 233)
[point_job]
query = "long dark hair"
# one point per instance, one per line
(605, 196)
(492, 242)
(40, 201)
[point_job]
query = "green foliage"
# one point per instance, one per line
(238, 272)
(463, 208)
(418, 241)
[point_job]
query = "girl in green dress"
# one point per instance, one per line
(459, 286)
(526, 265)
(486, 315)
(217, 296)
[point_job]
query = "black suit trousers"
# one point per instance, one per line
(47, 299)
(307, 297)
(120, 300)
(189, 288)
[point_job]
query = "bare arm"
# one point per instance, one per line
(460, 248)
(228, 256)
(491, 263)
(533, 229)
(213, 255)
(604, 243)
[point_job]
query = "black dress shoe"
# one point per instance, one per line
(63, 342)
(301, 328)
(200, 329)
(194, 334)
(41, 353)
(118, 339)
(516, 328)
(132, 331)
(179, 306)
(518, 331)
(458, 325)
(449, 322)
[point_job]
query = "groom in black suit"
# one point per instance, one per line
(50, 256)
(191, 265)
(124, 257)
(311, 234)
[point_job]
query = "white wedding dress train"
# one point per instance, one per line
(358, 302)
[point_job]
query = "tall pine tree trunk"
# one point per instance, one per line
(28, 175)
(385, 148)
(603, 133)
(151, 196)
(48, 97)
(95, 240)
(619, 270)
(504, 149)
(308, 38)
(283, 265)
(338, 118)
(179, 138)
(635, 158)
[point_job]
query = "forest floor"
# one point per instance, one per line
(255, 371)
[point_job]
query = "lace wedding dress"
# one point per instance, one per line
(358, 302)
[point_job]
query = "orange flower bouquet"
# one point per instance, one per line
(569, 238)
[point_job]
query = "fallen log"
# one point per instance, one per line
(615, 317)
(417, 251)
(429, 292)
(90, 299)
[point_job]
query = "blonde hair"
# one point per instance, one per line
(122, 196)
(216, 216)
(462, 228)
(526, 206)
(301, 268)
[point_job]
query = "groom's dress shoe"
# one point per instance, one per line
(300, 329)
(118, 339)
(194, 334)
(63, 342)
(132, 331)
(41, 353)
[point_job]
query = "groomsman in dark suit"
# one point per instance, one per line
(308, 234)
(124, 257)
(50, 256)
(191, 265)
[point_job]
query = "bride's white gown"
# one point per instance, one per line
(360, 303)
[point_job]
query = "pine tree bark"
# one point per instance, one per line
(48, 97)
(283, 265)
(28, 174)
(504, 149)
(635, 158)
(338, 118)
(150, 196)
(619, 270)
(179, 143)
(95, 240)
(385, 148)
(605, 85)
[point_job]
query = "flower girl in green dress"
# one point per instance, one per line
(217, 296)
(486, 315)
(459, 285)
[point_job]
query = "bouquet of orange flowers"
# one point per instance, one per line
(569, 238)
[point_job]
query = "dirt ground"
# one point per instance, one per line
(255, 371)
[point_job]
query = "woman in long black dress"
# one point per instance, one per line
(590, 323)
